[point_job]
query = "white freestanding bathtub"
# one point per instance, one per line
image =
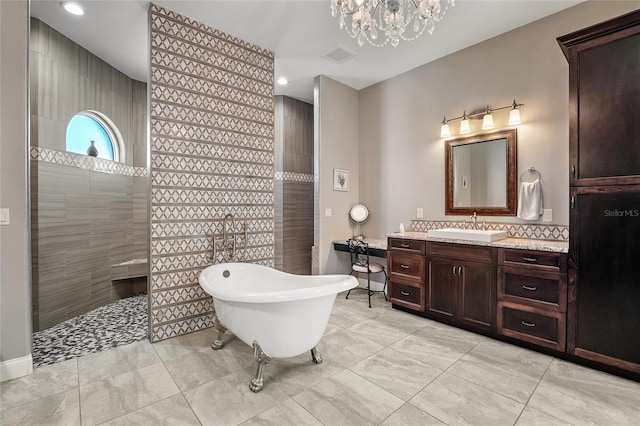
(281, 315)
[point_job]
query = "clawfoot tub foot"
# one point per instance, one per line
(217, 343)
(262, 359)
(315, 356)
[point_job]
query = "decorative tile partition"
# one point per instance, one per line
(535, 231)
(212, 153)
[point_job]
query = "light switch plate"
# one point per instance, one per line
(328, 212)
(4, 217)
(419, 213)
(547, 215)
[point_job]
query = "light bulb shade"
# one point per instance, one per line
(487, 121)
(514, 117)
(464, 127)
(444, 131)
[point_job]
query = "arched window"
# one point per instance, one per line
(93, 126)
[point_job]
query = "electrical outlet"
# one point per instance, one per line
(328, 212)
(547, 215)
(419, 213)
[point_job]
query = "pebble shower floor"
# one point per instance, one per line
(119, 323)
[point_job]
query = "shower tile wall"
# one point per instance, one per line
(87, 214)
(294, 185)
(212, 153)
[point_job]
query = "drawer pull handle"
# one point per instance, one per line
(403, 245)
(454, 270)
(530, 259)
(528, 324)
(526, 287)
(405, 266)
(405, 293)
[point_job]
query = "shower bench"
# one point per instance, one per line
(135, 268)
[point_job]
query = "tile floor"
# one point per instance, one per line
(116, 324)
(381, 366)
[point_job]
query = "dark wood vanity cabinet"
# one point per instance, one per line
(532, 297)
(461, 284)
(406, 269)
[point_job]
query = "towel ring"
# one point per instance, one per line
(531, 170)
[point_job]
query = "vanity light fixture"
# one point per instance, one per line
(487, 119)
(444, 129)
(464, 124)
(514, 114)
(282, 81)
(72, 7)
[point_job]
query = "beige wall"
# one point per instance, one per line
(336, 142)
(400, 152)
(15, 323)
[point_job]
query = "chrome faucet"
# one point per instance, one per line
(226, 239)
(474, 220)
(229, 241)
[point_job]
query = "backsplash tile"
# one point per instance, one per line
(534, 231)
(212, 153)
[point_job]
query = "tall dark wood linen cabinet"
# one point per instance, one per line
(603, 322)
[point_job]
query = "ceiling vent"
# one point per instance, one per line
(340, 54)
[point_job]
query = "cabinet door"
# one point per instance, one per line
(604, 82)
(442, 294)
(477, 299)
(604, 313)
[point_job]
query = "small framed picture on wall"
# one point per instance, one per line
(340, 180)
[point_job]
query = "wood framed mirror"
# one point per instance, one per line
(480, 174)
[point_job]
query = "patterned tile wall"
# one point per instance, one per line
(535, 231)
(212, 153)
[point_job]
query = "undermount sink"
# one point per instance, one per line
(468, 234)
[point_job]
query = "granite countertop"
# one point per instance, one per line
(377, 243)
(516, 243)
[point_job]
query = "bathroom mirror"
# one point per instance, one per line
(480, 174)
(359, 213)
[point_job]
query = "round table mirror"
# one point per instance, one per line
(359, 213)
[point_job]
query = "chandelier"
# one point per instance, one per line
(388, 19)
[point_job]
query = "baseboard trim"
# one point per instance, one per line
(16, 367)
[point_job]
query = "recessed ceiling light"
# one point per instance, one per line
(72, 8)
(283, 81)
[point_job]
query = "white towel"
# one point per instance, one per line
(530, 200)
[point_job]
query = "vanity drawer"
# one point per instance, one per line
(533, 259)
(406, 265)
(463, 252)
(549, 289)
(415, 246)
(538, 326)
(409, 296)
